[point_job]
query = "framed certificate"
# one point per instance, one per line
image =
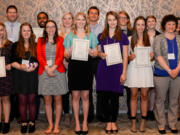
(113, 52)
(2, 67)
(142, 56)
(80, 49)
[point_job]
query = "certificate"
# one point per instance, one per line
(142, 56)
(113, 54)
(2, 67)
(80, 49)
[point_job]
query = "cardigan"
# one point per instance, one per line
(41, 56)
(160, 48)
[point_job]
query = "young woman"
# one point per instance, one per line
(110, 79)
(152, 33)
(79, 72)
(25, 76)
(52, 78)
(126, 28)
(139, 77)
(166, 74)
(65, 28)
(5, 82)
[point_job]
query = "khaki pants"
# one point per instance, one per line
(162, 85)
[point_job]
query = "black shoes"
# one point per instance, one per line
(174, 131)
(84, 132)
(31, 127)
(162, 131)
(77, 132)
(24, 127)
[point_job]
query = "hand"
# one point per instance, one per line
(151, 55)
(50, 71)
(92, 52)
(31, 68)
(102, 55)
(132, 56)
(23, 67)
(173, 73)
(8, 67)
(123, 78)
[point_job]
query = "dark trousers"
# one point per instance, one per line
(128, 94)
(14, 107)
(110, 106)
(95, 63)
(65, 103)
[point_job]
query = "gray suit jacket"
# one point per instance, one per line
(160, 48)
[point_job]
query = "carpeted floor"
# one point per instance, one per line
(95, 128)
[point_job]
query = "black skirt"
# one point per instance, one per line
(80, 74)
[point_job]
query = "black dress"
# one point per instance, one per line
(24, 82)
(6, 82)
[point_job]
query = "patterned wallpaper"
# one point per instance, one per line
(28, 10)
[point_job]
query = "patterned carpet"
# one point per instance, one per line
(95, 128)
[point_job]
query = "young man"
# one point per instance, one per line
(12, 26)
(93, 15)
(42, 18)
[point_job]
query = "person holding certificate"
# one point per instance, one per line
(111, 74)
(80, 47)
(52, 77)
(25, 76)
(66, 28)
(166, 75)
(139, 72)
(5, 79)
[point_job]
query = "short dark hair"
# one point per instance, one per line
(178, 18)
(44, 14)
(93, 7)
(11, 7)
(168, 18)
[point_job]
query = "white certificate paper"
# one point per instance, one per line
(80, 49)
(113, 52)
(142, 56)
(2, 67)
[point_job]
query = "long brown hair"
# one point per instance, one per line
(135, 37)
(45, 34)
(5, 40)
(128, 17)
(20, 45)
(105, 32)
(86, 28)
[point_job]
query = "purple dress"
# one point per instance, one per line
(108, 77)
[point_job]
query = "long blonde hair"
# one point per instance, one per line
(62, 31)
(5, 40)
(86, 28)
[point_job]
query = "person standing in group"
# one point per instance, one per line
(126, 28)
(65, 29)
(82, 69)
(12, 27)
(93, 15)
(139, 77)
(166, 74)
(5, 82)
(110, 79)
(152, 33)
(25, 76)
(52, 78)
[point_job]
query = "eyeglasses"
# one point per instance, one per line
(50, 27)
(122, 18)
